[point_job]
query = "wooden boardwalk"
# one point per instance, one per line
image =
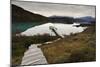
(33, 56)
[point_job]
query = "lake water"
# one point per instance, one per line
(62, 29)
(22, 26)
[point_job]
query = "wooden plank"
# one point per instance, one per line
(33, 56)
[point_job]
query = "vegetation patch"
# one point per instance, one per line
(21, 43)
(79, 47)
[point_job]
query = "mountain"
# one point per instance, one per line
(21, 15)
(61, 19)
(85, 20)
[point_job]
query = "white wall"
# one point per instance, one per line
(5, 33)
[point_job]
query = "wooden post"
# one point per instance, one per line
(53, 29)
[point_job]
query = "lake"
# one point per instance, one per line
(22, 26)
(62, 29)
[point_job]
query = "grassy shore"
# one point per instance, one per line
(21, 43)
(79, 47)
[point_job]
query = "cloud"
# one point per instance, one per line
(49, 9)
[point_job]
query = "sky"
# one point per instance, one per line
(51, 9)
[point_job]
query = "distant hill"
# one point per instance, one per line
(21, 15)
(61, 19)
(85, 20)
(70, 20)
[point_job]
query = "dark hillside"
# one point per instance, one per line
(21, 15)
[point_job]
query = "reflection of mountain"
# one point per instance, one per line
(21, 15)
(61, 19)
(85, 20)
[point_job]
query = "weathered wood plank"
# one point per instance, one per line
(33, 56)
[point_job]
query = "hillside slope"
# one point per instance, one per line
(79, 47)
(21, 15)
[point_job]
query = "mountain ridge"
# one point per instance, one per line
(87, 19)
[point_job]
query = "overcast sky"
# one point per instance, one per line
(49, 9)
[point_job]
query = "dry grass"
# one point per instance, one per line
(75, 48)
(21, 44)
